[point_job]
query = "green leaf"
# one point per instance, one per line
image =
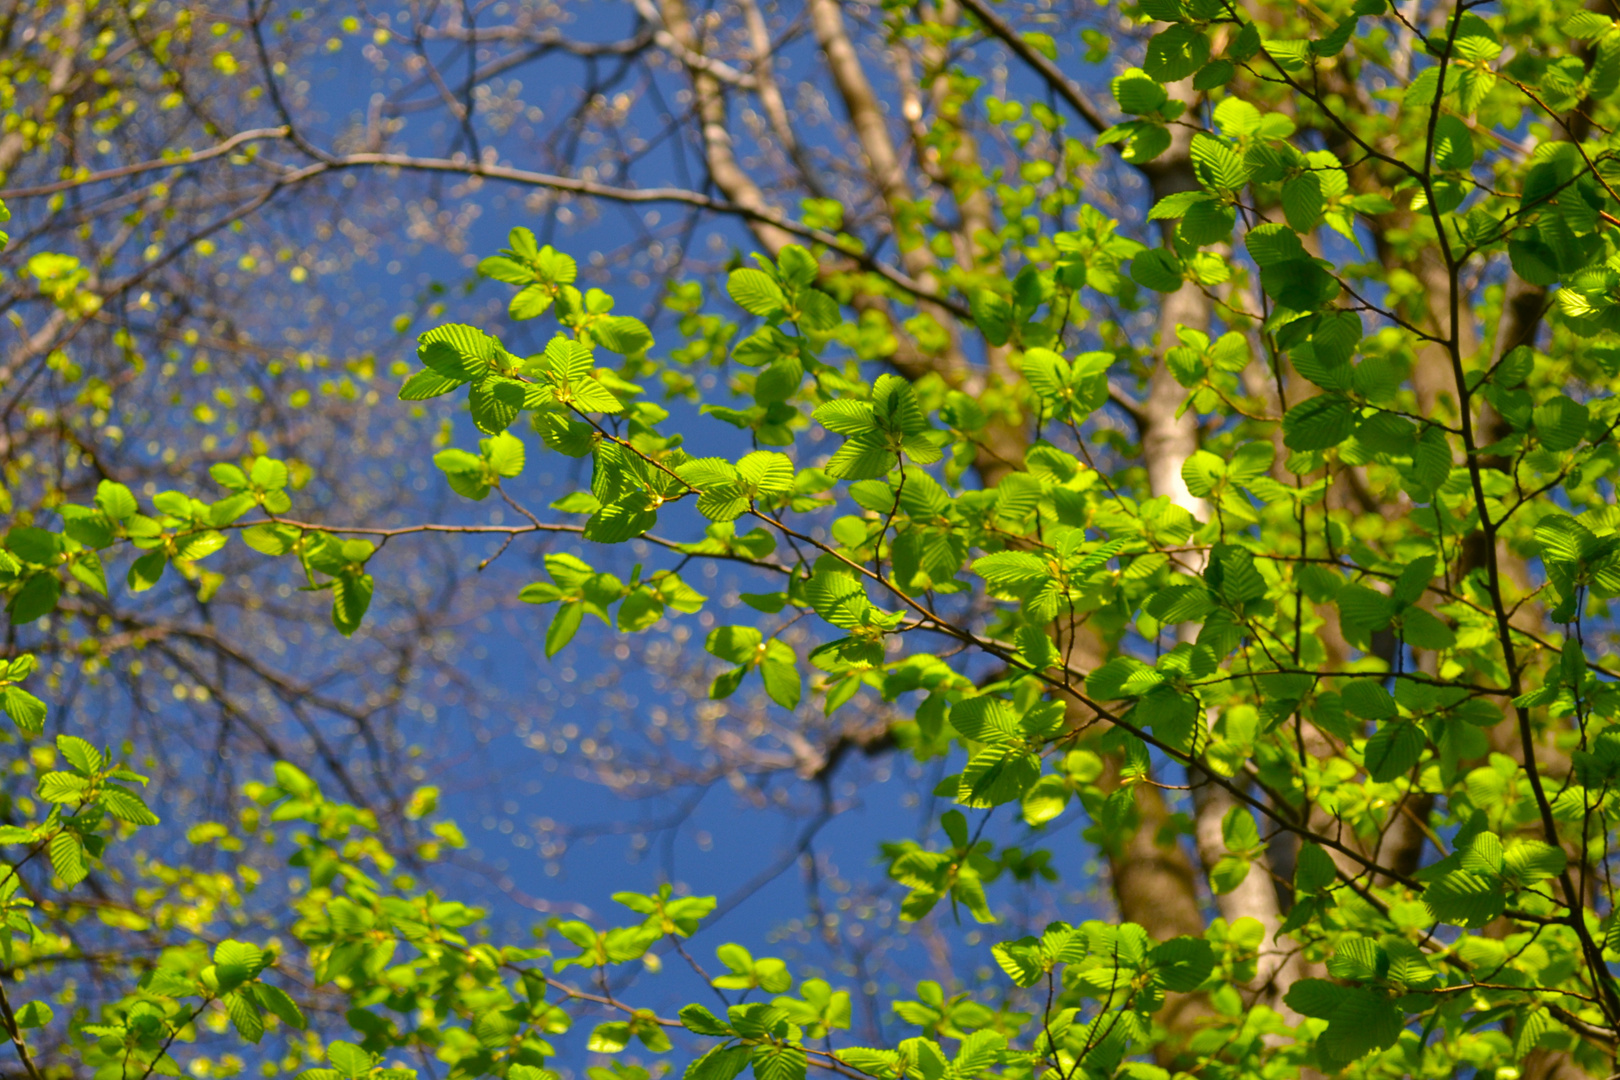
(986, 719)
(992, 314)
(280, 1005)
(126, 806)
(1316, 998)
(1273, 245)
(1013, 570)
(1176, 53)
(67, 858)
(1138, 94)
(1587, 25)
(1236, 117)
(1181, 604)
(726, 684)
(863, 457)
(1561, 423)
(738, 644)
(622, 334)
(88, 527)
(1534, 860)
(1363, 610)
(1422, 630)
(720, 1063)
(1413, 581)
(34, 1014)
(1302, 202)
(1147, 141)
(1533, 260)
(1299, 284)
(268, 473)
(80, 754)
(268, 539)
(1531, 1025)
(351, 597)
(767, 472)
(1358, 958)
(1563, 539)
(1045, 801)
(780, 381)
(564, 624)
(1463, 898)
(238, 961)
(641, 609)
(1239, 831)
(1022, 960)
(1182, 963)
(1208, 223)
(504, 269)
(1314, 869)
(245, 1016)
(427, 384)
(458, 352)
(464, 472)
(505, 454)
(778, 1062)
(1214, 74)
(1366, 699)
(35, 599)
(621, 520)
(609, 1038)
(198, 545)
(1362, 1023)
(846, 417)
(998, 774)
(1170, 207)
(1393, 750)
(1218, 165)
(25, 710)
(1157, 269)
(697, 1019)
(491, 411)
(348, 1059)
(34, 545)
(1037, 648)
(1113, 680)
(116, 500)
(783, 682)
(1453, 144)
(1228, 873)
(1318, 423)
(62, 787)
(755, 292)
(896, 408)
(1334, 42)
(589, 395)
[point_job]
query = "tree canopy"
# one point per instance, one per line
(1183, 423)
